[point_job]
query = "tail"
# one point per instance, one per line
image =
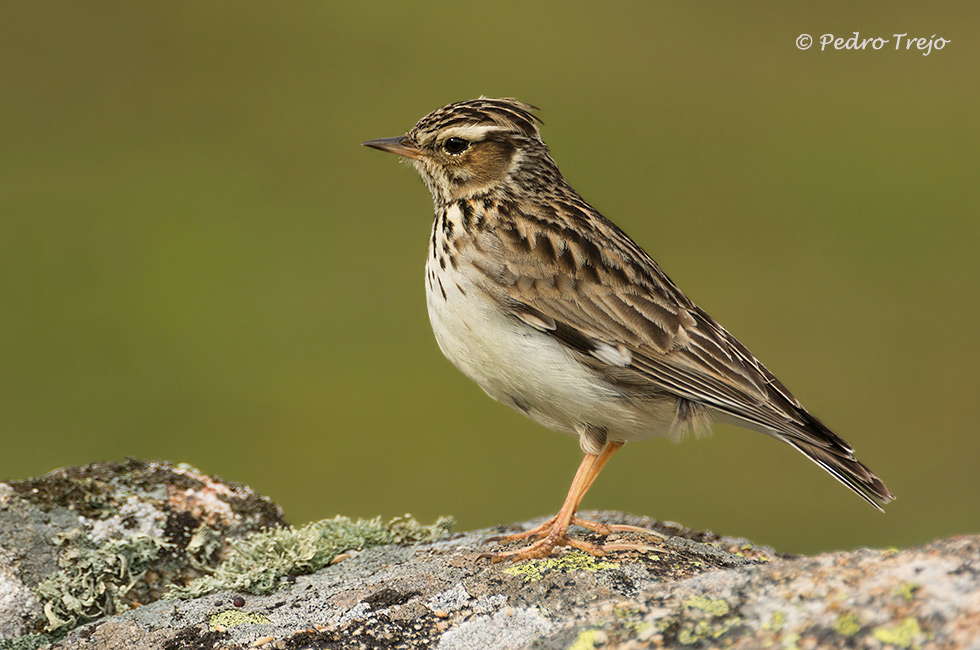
(830, 451)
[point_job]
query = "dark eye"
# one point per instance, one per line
(456, 145)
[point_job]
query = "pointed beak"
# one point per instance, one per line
(401, 145)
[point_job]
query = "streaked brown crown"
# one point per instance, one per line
(508, 113)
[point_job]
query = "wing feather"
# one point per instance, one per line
(619, 299)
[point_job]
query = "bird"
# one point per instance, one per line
(556, 312)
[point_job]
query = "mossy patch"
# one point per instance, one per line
(534, 570)
(235, 617)
(258, 563)
(904, 635)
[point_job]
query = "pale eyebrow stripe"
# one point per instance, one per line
(471, 132)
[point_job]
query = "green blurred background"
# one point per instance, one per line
(199, 263)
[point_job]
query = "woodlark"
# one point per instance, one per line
(556, 312)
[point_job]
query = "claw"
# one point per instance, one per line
(641, 548)
(539, 549)
(541, 530)
(608, 529)
(625, 528)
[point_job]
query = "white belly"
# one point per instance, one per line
(527, 369)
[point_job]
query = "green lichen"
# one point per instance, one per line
(688, 637)
(627, 622)
(907, 591)
(534, 570)
(625, 611)
(235, 617)
(258, 563)
(776, 622)
(902, 635)
(711, 620)
(714, 607)
(93, 581)
(629, 618)
(588, 640)
(666, 623)
(847, 625)
(639, 627)
(705, 629)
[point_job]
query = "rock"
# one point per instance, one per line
(82, 542)
(695, 589)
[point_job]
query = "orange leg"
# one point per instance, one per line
(554, 532)
(583, 480)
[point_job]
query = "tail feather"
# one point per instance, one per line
(830, 452)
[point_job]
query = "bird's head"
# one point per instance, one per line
(476, 148)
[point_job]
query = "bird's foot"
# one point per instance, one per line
(547, 527)
(551, 535)
(544, 547)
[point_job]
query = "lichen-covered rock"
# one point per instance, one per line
(83, 542)
(710, 593)
(694, 589)
(260, 562)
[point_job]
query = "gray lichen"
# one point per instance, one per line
(26, 642)
(81, 542)
(259, 562)
(93, 580)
